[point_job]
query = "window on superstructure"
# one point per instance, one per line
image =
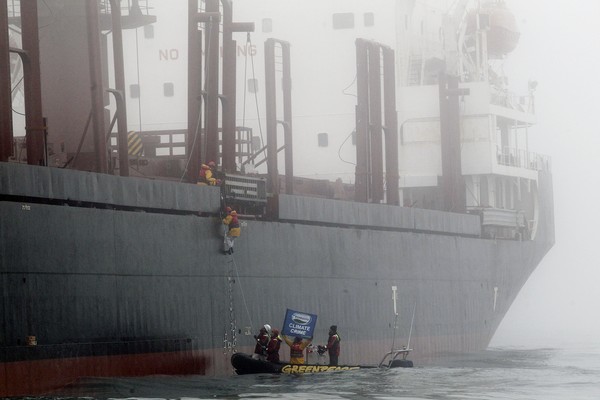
(267, 25)
(369, 19)
(484, 21)
(499, 190)
(148, 31)
(484, 199)
(134, 91)
(253, 85)
(343, 21)
(323, 139)
(168, 89)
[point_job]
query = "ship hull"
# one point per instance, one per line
(127, 270)
(38, 376)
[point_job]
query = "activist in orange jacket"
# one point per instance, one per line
(273, 347)
(262, 342)
(333, 345)
(297, 347)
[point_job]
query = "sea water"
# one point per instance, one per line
(498, 373)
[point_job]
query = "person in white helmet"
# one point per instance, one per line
(262, 343)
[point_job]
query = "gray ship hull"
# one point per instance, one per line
(101, 266)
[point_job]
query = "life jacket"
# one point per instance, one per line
(261, 344)
(206, 175)
(273, 349)
(202, 174)
(297, 350)
(234, 225)
(333, 345)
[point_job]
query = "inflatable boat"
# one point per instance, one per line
(244, 364)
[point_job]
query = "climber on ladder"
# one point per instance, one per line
(233, 230)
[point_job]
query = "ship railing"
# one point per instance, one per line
(541, 162)
(171, 143)
(422, 49)
(389, 359)
(522, 103)
(126, 7)
(14, 7)
(159, 144)
(499, 223)
(134, 14)
(513, 157)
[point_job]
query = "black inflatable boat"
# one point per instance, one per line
(244, 364)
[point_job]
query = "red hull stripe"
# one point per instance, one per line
(23, 378)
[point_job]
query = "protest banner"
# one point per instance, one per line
(299, 323)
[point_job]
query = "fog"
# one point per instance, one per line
(559, 49)
(558, 306)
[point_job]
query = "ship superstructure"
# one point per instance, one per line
(467, 40)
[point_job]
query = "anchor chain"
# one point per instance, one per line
(230, 337)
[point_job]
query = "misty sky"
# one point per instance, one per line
(559, 48)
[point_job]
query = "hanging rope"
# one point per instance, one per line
(206, 70)
(137, 55)
(193, 144)
(197, 130)
(245, 78)
(249, 44)
(229, 345)
(237, 275)
(230, 334)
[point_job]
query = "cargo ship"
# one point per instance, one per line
(397, 165)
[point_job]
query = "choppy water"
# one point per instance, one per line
(515, 374)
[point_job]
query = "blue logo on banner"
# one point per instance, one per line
(299, 324)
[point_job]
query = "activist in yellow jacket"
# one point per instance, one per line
(233, 225)
(297, 347)
(233, 231)
(206, 176)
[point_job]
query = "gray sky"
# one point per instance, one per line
(559, 48)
